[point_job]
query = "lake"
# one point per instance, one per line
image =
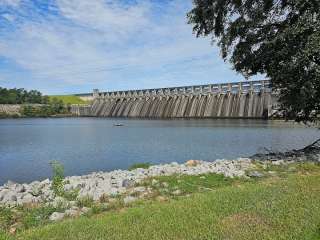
(84, 145)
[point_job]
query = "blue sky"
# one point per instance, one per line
(71, 46)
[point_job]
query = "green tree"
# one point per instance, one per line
(277, 38)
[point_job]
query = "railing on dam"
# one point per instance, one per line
(234, 87)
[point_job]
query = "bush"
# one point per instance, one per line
(140, 165)
(86, 201)
(57, 179)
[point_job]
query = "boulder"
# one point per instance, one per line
(85, 210)
(129, 199)
(177, 192)
(56, 216)
(72, 212)
(154, 182)
(192, 163)
(127, 183)
(255, 174)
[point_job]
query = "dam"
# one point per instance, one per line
(250, 99)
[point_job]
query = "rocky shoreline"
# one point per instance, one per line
(115, 182)
(124, 183)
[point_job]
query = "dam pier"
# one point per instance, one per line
(250, 99)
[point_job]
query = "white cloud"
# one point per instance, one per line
(106, 43)
(96, 14)
(13, 3)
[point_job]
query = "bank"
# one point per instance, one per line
(242, 199)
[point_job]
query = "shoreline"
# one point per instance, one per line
(117, 182)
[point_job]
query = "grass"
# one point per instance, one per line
(285, 204)
(69, 99)
(139, 165)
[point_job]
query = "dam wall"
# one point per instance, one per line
(253, 99)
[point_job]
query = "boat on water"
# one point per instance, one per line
(118, 125)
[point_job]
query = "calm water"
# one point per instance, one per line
(85, 145)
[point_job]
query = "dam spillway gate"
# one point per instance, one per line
(251, 99)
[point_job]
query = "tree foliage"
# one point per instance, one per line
(20, 96)
(53, 107)
(278, 38)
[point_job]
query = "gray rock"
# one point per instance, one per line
(127, 183)
(129, 199)
(255, 174)
(139, 189)
(177, 192)
(60, 202)
(10, 198)
(165, 184)
(20, 188)
(85, 210)
(75, 208)
(9, 184)
(3, 193)
(154, 182)
(56, 216)
(71, 212)
(28, 198)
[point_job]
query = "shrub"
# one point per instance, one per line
(57, 179)
(86, 201)
(140, 165)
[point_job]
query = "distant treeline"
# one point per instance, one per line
(34, 104)
(21, 96)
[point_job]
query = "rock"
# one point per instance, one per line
(28, 198)
(177, 192)
(9, 184)
(161, 199)
(60, 202)
(139, 189)
(56, 216)
(75, 208)
(255, 174)
(165, 184)
(20, 188)
(71, 212)
(112, 200)
(129, 199)
(278, 162)
(85, 210)
(3, 193)
(154, 182)
(127, 183)
(12, 230)
(72, 204)
(10, 198)
(192, 163)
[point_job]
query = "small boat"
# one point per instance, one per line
(118, 125)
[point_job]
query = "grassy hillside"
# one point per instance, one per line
(69, 99)
(280, 206)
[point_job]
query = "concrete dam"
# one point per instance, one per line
(251, 99)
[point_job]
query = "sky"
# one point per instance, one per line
(74, 46)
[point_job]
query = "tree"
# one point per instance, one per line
(277, 38)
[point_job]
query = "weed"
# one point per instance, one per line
(58, 176)
(140, 165)
(86, 201)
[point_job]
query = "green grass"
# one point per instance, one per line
(284, 206)
(139, 165)
(69, 99)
